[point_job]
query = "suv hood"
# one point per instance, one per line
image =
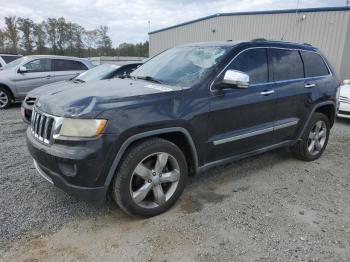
(52, 88)
(89, 99)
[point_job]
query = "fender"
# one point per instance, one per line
(133, 138)
(313, 111)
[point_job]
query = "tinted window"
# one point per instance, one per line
(10, 58)
(39, 65)
(254, 63)
(314, 64)
(69, 65)
(287, 64)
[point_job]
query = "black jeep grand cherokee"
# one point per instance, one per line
(187, 109)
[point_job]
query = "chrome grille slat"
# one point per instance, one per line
(42, 126)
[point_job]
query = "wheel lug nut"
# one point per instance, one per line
(160, 175)
(154, 173)
(149, 181)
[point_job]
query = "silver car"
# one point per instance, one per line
(24, 74)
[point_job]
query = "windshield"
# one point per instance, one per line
(181, 66)
(97, 73)
(16, 62)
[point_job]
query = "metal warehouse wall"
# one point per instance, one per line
(328, 30)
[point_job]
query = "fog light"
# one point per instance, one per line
(68, 169)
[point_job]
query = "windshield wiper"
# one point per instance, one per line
(149, 78)
(78, 80)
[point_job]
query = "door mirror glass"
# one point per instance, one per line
(236, 79)
(22, 69)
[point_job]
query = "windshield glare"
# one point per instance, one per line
(16, 63)
(97, 73)
(182, 66)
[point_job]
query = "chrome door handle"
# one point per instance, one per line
(310, 85)
(48, 76)
(267, 92)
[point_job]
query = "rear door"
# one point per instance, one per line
(66, 69)
(39, 73)
(242, 120)
(292, 96)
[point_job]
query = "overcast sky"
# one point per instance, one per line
(128, 20)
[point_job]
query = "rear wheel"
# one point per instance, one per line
(314, 139)
(151, 178)
(5, 98)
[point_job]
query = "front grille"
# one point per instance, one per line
(344, 99)
(30, 101)
(344, 113)
(42, 126)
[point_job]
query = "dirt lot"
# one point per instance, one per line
(265, 208)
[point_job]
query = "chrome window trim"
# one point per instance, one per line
(281, 81)
(255, 133)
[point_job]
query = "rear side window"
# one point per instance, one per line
(287, 64)
(254, 63)
(69, 65)
(39, 65)
(10, 58)
(314, 64)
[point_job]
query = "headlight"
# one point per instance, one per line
(82, 127)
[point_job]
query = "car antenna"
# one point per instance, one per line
(296, 21)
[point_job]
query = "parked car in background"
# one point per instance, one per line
(101, 72)
(7, 58)
(26, 73)
(344, 100)
(185, 110)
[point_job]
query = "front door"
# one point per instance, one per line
(39, 73)
(242, 120)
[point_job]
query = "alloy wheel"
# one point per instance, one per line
(3, 99)
(317, 138)
(154, 180)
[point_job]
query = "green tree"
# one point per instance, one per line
(104, 42)
(26, 25)
(2, 41)
(11, 34)
(90, 41)
(39, 34)
(51, 31)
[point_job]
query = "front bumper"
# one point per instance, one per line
(79, 169)
(344, 110)
(26, 112)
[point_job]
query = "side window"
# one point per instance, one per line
(9, 59)
(287, 64)
(39, 65)
(314, 64)
(69, 65)
(254, 63)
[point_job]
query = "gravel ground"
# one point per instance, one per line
(265, 208)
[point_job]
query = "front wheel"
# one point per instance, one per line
(151, 178)
(5, 98)
(314, 140)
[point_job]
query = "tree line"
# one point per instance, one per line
(57, 36)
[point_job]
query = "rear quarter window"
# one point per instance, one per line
(314, 64)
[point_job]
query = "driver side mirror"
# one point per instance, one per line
(22, 69)
(236, 79)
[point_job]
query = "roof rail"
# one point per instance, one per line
(258, 39)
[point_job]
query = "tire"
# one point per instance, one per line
(5, 98)
(308, 140)
(141, 178)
